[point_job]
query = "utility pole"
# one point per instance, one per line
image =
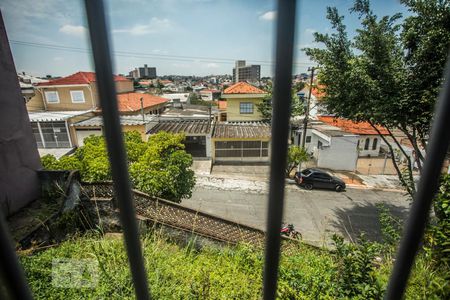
(305, 121)
(142, 109)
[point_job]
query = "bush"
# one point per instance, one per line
(159, 167)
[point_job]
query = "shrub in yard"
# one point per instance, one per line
(159, 167)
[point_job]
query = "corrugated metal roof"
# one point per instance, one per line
(182, 126)
(42, 116)
(124, 120)
(242, 130)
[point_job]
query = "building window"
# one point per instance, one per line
(374, 145)
(319, 145)
(366, 145)
(246, 107)
(308, 139)
(52, 97)
(77, 96)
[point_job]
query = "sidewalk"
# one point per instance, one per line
(254, 179)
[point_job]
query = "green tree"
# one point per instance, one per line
(437, 239)
(386, 76)
(159, 167)
(164, 169)
(265, 106)
(296, 156)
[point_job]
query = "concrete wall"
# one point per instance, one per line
(138, 128)
(342, 154)
(36, 103)
(85, 132)
(233, 110)
(81, 132)
(124, 86)
(19, 157)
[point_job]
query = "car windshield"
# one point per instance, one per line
(306, 172)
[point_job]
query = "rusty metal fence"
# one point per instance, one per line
(180, 217)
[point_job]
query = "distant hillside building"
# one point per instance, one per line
(242, 72)
(143, 72)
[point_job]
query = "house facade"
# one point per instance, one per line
(57, 105)
(242, 100)
(74, 92)
(369, 142)
(240, 134)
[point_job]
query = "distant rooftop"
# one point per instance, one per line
(257, 129)
(199, 126)
(129, 102)
(77, 78)
(124, 120)
(243, 88)
(361, 128)
(45, 116)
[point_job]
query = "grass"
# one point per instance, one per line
(176, 272)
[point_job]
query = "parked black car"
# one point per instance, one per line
(315, 178)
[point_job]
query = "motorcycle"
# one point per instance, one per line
(289, 231)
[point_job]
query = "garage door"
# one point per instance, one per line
(241, 150)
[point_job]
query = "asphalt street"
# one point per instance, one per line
(317, 214)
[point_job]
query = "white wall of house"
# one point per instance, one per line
(369, 145)
(341, 154)
(82, 134)
(208, 146)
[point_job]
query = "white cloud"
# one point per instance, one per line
(310, 30)
(58, 58)
(73, 30)
(156, 25)
(268, 16)
(212, 65)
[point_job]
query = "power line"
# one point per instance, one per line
(145, 55)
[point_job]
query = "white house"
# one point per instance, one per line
(331, 147)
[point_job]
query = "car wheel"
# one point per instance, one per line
(338, 188)
(308, 186)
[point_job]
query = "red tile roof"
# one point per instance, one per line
(129, 102)
(243, 88)
(78, 78)
(362, 128)
(318, 91)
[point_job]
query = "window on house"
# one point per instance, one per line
(52, 97)
(319, 145)
(366, 145)
(77, 96)
(375, 142)
(246, 107)
(308, 139)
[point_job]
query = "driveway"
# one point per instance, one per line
(317, 214)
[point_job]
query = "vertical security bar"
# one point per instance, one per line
(280, 128)
(114, 140)
(437, 148)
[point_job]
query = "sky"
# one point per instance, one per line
(178, 37)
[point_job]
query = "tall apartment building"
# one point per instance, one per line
(242, 72)
(143, 72)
